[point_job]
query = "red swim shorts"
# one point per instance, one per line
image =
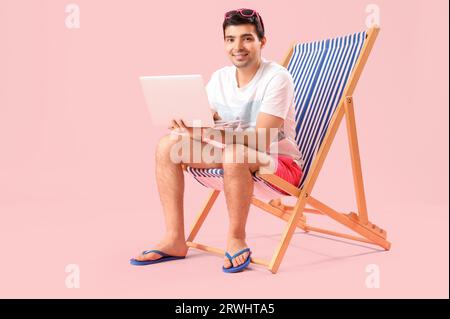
(288, 170)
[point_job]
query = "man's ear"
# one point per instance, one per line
(263, 42)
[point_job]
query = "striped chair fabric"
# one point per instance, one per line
(320, 71)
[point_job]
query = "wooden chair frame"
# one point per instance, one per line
(294, 215)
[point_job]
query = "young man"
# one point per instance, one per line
(257, 92)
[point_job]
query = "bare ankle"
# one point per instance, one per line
(175, 238)
(236, 237)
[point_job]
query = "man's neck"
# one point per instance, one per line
(245, 75)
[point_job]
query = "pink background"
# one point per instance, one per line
(76, 151)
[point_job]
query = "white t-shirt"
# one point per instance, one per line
(271, 91)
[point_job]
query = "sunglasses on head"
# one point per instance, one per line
(246, 13)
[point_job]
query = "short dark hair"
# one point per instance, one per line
(237, 19)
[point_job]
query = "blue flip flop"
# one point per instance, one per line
(240, 267)
(164, 257)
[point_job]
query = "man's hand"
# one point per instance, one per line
(179, 127)
(216, 116)
(177, 124)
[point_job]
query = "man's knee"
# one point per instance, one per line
(239, 154)
(170, 145)
(165, 143)
(233, 154)
(180, 149)
(236, 156)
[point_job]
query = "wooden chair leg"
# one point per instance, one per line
(202, 215)
(356, 160)
(287, 235)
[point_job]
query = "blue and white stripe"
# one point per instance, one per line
(320, 71)
(213, 178)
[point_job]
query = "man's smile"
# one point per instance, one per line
(240, 56)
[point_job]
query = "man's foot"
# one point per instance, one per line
(173, 248)
(233, 246)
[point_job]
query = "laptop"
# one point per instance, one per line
(177, 97)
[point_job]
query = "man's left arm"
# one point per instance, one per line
(275, 107)
(267, 128)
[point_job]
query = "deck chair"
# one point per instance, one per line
(325, 75)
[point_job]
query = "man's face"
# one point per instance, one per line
(242, 45)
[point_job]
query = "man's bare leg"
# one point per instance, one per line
(170, 181)
(238, 188)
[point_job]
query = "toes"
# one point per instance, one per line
(237, 261)
(149, 256)
(226, 263)
(242, 258)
